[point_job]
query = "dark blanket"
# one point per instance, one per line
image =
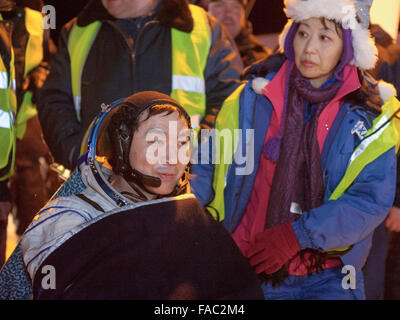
(169, 250)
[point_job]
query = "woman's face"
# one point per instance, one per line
(318, 48)
(160, 148)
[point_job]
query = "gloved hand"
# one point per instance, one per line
(272, 248)
(35, 79)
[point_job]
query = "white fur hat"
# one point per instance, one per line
(346, 12)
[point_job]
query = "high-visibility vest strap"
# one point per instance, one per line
(7, 119)
(189, 58)
(33, 57)
(34, 47)
(26, 111)
(79, 43)
(227, 119)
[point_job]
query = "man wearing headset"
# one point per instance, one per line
(134, 226)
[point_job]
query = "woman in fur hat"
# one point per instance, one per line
(324, 158)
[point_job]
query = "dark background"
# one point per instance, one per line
(267, 16)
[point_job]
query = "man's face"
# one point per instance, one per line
(230, 13)
(124, 9)
(161, 148)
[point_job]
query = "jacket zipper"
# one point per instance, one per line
(141, 30)
(132, 50)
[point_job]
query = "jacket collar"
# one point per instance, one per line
(275, 90)
(173, 14)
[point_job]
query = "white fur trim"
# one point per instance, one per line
(339, 10)
(258, 84)
(386, 90)
(343, 11)
(365, 51)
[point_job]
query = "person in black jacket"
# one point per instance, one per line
(131, 53)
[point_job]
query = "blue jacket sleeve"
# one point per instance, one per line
(355, 215)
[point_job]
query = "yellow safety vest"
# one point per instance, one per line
(33, 57)
(375, 143)
(189, 57)
(8, 105)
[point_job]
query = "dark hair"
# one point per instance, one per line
(367, 96)
(338, 26)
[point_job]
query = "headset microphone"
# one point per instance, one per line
(148, 181)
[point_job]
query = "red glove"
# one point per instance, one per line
(272, 248)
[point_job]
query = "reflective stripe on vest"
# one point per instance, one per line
(33, 57)
(5, 119)
(3, 80)
(189, 57)
(228, 118)
(7, 110)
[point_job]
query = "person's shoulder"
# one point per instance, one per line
(52, 226)
(71, 201)
(358, 111)
(262, 68)
(67, 27)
